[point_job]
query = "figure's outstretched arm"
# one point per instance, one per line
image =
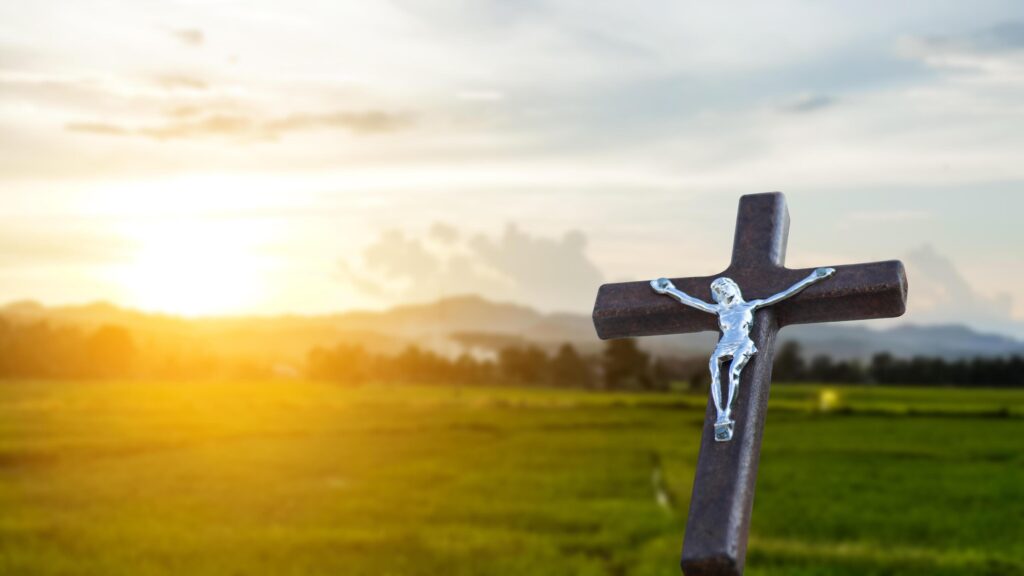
(817, 276)
(664, 286)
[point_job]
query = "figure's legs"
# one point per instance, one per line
(738, 362)
(723, 425)
(716, 382)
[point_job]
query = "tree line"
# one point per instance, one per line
(884, 368)
(40, 350)
(622, 365)
(43, 351)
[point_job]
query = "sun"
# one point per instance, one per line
(195, 267)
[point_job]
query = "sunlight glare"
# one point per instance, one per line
(196, 267)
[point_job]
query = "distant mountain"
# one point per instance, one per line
(454, 324)
(858, 341)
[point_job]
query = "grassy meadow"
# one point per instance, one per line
(290, 478)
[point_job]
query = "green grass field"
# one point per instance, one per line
(288, 478)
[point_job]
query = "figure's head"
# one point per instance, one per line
(724, 290)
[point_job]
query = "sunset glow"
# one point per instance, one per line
(196, 267)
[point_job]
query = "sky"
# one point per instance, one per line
(220, 157)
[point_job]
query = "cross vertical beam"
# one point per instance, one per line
(762, 231)
(722, 501)
(723, 488)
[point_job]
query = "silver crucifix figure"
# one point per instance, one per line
(735, 319)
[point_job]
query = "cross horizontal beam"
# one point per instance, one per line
(856, 292)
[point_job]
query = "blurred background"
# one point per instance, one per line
(304, 287)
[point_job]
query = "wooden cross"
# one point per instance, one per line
(723, 488)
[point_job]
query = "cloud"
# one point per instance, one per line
(940, 294)
(178, 81)
(189, 36)
(444, 233)
(106, 93)
(396, 256)
(184, 112)
(360, 282)
(547, 273)
(59, 90)
(480, 95)
(883, 216)
(213, 125)
(1003, 37)
(187, 123)
(96, 128)
(804, 103)
(27, 247)
(542, 268)
(367, 122)
(17, 56)
(989, 49)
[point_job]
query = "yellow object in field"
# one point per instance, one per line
(828, 400)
